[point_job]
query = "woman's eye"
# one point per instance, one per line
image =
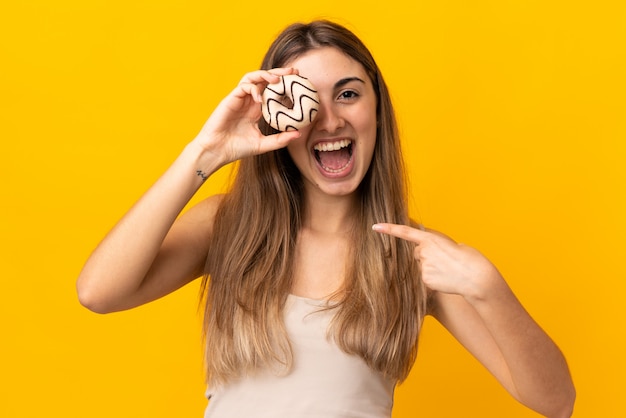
(348, 94)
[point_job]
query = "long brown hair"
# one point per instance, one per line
(249, 267)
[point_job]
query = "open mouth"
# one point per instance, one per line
(333, 157)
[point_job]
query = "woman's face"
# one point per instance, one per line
(334, 152)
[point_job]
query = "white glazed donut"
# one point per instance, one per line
(290, 104)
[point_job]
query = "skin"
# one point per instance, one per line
(152, 251)
(347, 111)
(472, 300)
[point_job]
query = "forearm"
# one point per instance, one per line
(119, 264)
(537, 367)
(472, 300)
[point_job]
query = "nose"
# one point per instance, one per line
(328, 118)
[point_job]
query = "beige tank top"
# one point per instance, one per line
(324, 381)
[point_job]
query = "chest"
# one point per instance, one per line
(319, 265)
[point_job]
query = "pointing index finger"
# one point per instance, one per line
(401, 231)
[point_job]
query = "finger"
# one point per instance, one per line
(267, 76)
(283, 71)
(248, 89)
(277, 141)
(274, 75)
(254, 83)
(401, 231)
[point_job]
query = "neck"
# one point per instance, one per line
(329, 214)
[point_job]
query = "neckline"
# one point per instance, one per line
(312, 301)
(307, 298)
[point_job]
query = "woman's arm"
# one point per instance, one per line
(472, 300)
(150, 252)
(135, 263)
(500, 333)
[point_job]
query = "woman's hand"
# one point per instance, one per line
(231, 132)
(474, 303)
(446, 266)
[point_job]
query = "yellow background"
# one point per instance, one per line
(513, 118)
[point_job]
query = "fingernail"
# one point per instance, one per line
(377, 227)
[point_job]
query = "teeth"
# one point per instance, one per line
(332, 146)
(331, 170)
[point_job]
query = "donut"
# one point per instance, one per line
(290, 104)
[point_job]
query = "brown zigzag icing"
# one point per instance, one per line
(290, 104)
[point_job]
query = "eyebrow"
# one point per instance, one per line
(347, 80)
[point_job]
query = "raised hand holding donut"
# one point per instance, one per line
(231, 132)
(447, 266)
(290, 104)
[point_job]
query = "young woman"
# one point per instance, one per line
(316, 282)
